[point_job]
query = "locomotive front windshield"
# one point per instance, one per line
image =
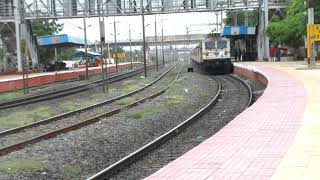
(218, 44)
(210, 45)
(221, 44)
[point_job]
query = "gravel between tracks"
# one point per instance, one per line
(81, 153)
(32, 132)
(22, 115)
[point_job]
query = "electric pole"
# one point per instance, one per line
(162, 46)
(102, 42)
(155, 39)
(115, 44)
(310, 5)
(85, 41)
(144, 42)
(130, 46)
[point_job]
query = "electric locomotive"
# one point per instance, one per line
(213, 54)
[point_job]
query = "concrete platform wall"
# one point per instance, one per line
(45, 79)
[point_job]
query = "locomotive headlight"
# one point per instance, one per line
(207, 54)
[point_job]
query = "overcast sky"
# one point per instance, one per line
(173, 24)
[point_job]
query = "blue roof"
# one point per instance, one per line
(238, 30)
(58, 40)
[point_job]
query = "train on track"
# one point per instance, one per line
(213, 55)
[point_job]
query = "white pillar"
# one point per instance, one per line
(260, 36)
(17, 27)
(55, 55)
(312, 50)
(310, 16)
(266, 22)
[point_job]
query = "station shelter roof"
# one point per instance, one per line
(61, 40)
(239, 30)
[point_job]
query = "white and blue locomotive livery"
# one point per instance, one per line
(213, 54)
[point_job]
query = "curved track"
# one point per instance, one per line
(66, 91)
(19, 132)
(225, 88)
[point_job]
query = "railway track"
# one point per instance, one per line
(160, 142)
(20, 133)
(66, 91)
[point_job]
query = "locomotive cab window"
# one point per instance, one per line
(210, 45)
(221, 44)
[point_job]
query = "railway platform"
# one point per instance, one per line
(276, 138)
(14, 81)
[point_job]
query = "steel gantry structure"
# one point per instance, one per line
(35, 9)
(16, 14)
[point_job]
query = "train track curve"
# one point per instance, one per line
(136, 155)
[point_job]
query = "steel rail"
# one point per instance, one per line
(65, 91)
(109, 171)
(22, 144)
(244, 83)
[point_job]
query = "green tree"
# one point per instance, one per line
(66, 53)
(291, 30)
(240, 15)
(41, 27)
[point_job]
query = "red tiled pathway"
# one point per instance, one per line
(253, 144)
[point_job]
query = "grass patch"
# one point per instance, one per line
(112, 90)
(96, 96)
(10, 95)
(199, 90)
(74, 105)
(21, 118)
(174, 88)
(133, 84)
(71, 171)
(144, 112)
(20, 165)
(180, 79)
(126, 101)
(176, 85)
(175, 100)
(70, 106)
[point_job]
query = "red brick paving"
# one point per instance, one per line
(253, 144)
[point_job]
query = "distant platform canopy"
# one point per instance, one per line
(81, 53)
(239, 30)
(61, 40)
